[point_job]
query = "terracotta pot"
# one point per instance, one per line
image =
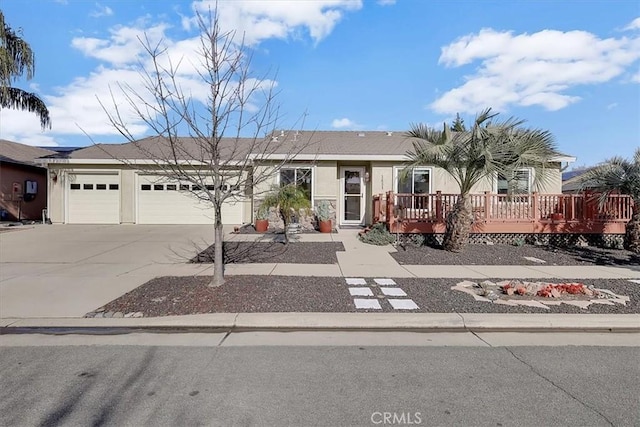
(262, 225)
(325, 226)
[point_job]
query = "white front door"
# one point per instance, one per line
(352, 195)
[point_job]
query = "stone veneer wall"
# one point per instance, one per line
(305, 217)
(559, 239)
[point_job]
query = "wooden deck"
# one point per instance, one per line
(501, 213)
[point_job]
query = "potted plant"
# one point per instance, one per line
(323, 214)
(262, 219)
(288, 200)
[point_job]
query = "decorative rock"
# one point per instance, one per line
(99, 310)
(109, 314)
(99, 315)
(118, 314)
(138, 314)
(129, 314)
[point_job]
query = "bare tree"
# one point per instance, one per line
(215, 144)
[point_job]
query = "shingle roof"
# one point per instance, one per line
(325, 143)
(20, 153)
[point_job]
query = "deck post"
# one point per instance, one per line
(487, 205)
(439, 206)
(535, 202)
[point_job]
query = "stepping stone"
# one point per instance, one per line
(364, 303)
(355, 281)
(403, 304)
(361, 292)
(534, 259)
(393, 292)
(634, 281)
(385, 282)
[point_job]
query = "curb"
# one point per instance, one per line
(338, 322)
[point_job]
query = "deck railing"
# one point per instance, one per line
(506, 213)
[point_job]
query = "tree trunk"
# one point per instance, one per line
(285, 221)
(632, 235)
(218, 247)
(458, 225)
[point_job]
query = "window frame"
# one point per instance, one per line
(529, 191)
(311, 169)
(396, 183)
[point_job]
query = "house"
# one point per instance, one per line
(573, 181)
(121, 183)
(23, 183)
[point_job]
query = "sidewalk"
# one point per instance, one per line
(363, 260)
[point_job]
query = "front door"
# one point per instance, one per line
(352, 195)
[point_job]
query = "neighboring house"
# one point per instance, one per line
(346, 168)
(23, 183)
(573, 181)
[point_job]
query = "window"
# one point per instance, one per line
(75, 186)
(210, 187)
(113, 186)
(517, 183)
(300, 177)
(171, 187)
(88, 186)
(414, 181)
(101, 186)
(145, 187)
(158, 187)
(184, 187)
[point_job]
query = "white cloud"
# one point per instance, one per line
(531, 69)
(386, 2)
(636, 77)
(612, 106)
(101, 11)
(75, 107)
(633, 25)
(344, 123)
(261, 20)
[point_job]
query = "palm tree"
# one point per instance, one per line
(490, 148)
(622, 175)
(17, 59)
(288, 200)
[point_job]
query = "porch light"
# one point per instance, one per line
(366, 177)
(54, 175)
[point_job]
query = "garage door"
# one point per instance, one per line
(94, 199)
(163, 201)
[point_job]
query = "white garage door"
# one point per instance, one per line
(163, 201)
(94, 199)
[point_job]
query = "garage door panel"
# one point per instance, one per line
(163, 201)
(94, 199)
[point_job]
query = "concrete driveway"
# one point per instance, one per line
(69, 270)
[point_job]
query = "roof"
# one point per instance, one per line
(20, 153)
(573, 181)
(307, 145)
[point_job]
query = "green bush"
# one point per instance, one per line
(378, 235)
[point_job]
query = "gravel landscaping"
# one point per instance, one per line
(274, 252)
(166, 296)
(515, 255)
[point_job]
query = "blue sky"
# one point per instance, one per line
(572, 67)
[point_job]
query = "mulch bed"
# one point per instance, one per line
(274, 252)
(514, 255)
(166, 296)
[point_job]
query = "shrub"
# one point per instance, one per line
(378, 235)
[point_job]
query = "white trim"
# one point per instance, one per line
(337, 157)
(258, 158)
(363, 196)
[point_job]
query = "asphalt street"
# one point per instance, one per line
(195, 381)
